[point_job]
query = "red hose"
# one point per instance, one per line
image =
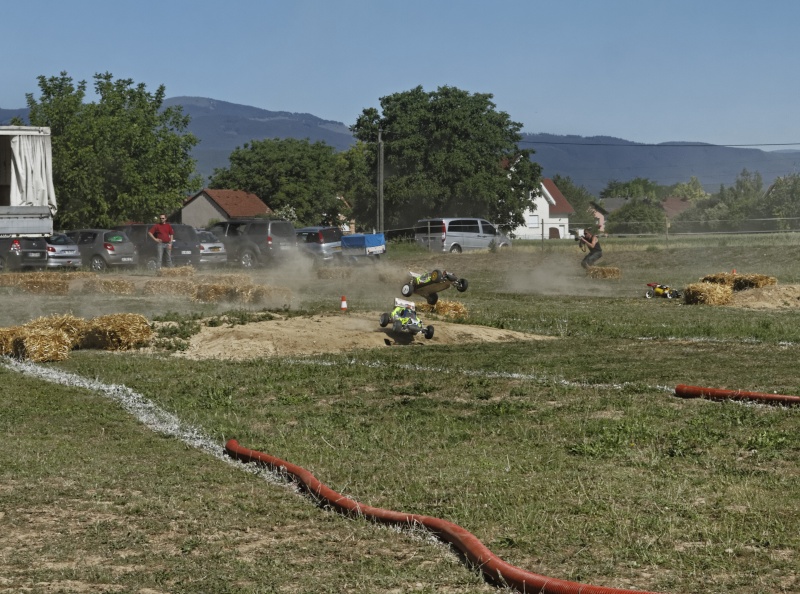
(492, 566)
(720, 394)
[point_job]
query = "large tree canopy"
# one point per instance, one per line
(288, 175)
(122, 158)
(446, 153)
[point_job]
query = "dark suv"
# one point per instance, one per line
(252, 242)
(185, 246)
(17, 253)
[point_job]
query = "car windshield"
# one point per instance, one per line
(59, 240)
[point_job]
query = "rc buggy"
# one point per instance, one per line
(657, 290)
(429, 284)
(404, 319)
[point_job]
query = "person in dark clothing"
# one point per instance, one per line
(591, 241)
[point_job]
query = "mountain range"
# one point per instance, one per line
(590, 162)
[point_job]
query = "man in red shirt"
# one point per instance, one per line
(162, 234)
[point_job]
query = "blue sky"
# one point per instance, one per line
(717, 71)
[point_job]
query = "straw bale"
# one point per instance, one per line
(708, 293)
(42, 285)
(108, 286)
(603, 272)
(117, 332)
(447, 309)
(10, 279)
(742, 282)
(719, 278)
(178, 271)
(225, 279)
(7, 336)
(75, 328)
(214, 292)
(42, 344)
(168, 287)
(326, 272)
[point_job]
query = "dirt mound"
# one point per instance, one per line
(769, 297)
(336, 333)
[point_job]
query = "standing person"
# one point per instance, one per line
(595, 251)
(163, 235)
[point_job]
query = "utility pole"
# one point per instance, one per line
(380, 182)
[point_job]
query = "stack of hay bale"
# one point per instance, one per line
(603, 272)
(52, 338)
(718, 289)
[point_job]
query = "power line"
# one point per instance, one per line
(659, 145)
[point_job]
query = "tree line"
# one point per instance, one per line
(125, 157)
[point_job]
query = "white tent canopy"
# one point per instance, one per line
(30, 175)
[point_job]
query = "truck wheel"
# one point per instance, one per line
(455, 249)
(247, 259)
(406, 290)
(428, 332)
(98, 264)
(384, 320)
(461, 285)
(432, 298)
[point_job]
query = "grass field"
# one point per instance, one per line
(570, 458)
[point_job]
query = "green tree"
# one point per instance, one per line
(782, 201)
(637, 216)
(446, 152)
(122, 158)
(580, 199)
(287, 173)
(692, 191)
(639, 187)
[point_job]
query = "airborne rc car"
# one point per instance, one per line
(658, 290)
(404, 319)
(429, 284)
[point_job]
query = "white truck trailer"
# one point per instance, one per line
(27, 196)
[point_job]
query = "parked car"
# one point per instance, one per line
(457, 235)
(256, 242)
(104, 248)
(324, 243)
(212, 250)
(62, 252)
(18, 253)
(185, 245)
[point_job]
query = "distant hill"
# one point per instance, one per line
(590, 161)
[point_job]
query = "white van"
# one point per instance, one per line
(458, 234)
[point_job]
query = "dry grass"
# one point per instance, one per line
(446, 309)
(108, 287)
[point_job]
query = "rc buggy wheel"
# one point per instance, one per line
(384, 320)
(435, 276)
(668, 294)
(406, 290)
(461, 285)
(675, 295)
(428, 332)
(649, 293)
(432, 298)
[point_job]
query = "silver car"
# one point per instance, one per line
(62, 252)
(456, 235)
(212, 250)
(104, 248)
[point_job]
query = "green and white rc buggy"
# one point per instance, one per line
(404, 319)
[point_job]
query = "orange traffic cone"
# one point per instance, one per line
(343, 308)
(734, 271)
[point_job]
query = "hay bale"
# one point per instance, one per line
(117, 332)
(230, 280)
(742, 282)
(708, 293)
(10, 279)
(108, 286)
(326, 272)
(446, 309)
(40, 345)
(603, 272)
(177, 271)
(719, 278)
(7, 336)
(44, 285)
(214, 293)
(168, 287)
(75, 328)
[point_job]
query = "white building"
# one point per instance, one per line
(550, 218)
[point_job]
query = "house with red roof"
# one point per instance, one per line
(550, 217)
(210, 205)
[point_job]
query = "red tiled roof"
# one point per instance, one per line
(673, 206)
(236, 203)
(561, 207)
